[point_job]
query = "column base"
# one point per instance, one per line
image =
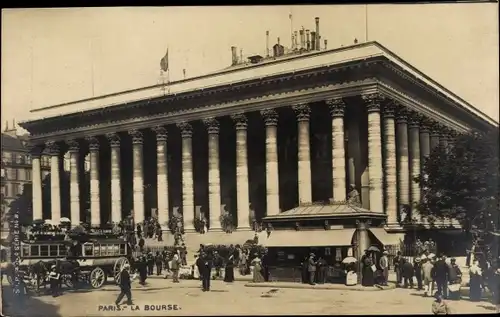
(244, 229)
(215, 229)
(189, 230)
(393, 227)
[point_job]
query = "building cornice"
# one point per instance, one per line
(276, 100)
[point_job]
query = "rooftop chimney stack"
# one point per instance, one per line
(296, 39)
(317, 34)
(234, 55)
(313, 40)
(326, 43)
(308, 41)
(267, 43)
(302, 39)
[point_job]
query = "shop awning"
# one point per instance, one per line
(387, 238)
(309, 238)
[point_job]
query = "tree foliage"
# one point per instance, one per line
(462, 182)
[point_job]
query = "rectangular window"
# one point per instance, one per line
(54, 250)
(88, 250)
(26, 250)
(44, 250)
(28, 159)
(13, 158)
(35, 250)
(28, 175)
(123, 249)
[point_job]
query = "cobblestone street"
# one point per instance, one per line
(236, 299)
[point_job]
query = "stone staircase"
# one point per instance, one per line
(193, 240)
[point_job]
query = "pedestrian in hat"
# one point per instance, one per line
(384, 265)
(311, 268)
(417, 267)
(125, 287)
(54, 281)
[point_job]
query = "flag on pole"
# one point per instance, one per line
(164, 62)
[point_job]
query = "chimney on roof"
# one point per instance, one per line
(6, 125)
(313, 40)
(317, 34)
(241, 55)
(302, 39)
(296, 39)
(308, 41)
(234, 55)
(267, 43)
(326, 43)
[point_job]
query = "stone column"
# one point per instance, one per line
(337, 109)
(162, 174)
(116, 188)
(214, 195)
(55, 186)
(443, 138)
(272, 173)
(138, 180)
(36, 153)
(187, 176)
(95, 206)
(373, 102)
(403, 162)
(425, 140)
(435, 131)
(425, 151)
(304, 153)
(74, 191)
(390, 166)
(363, 243)
(242, 187)
(414, 138)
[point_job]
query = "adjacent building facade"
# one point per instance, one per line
(16, 167)
(310, 129)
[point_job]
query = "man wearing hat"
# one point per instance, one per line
(54, 281)
(384, 265)
(417, 266)
(124, 286)
(311, 268)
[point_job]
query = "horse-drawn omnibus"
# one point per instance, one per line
(88, 258)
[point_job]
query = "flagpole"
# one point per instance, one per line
(291, 27)
(92, 67)
(366, 23)
(168, 72)
(31, 73)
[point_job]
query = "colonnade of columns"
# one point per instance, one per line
(398, 140)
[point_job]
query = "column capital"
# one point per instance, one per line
(270, 117)
(93, 142)
(302, 111)
(435, 128)
(336, 106)
(52, 148)
(161, 133)
(136, 135)
(401, 115)
(212, 125)
(373, 101)
(113, 139)
(389, 109)
(425, 125)
(73, 145)
(186, 129)
(240, 120)
(445, 132)
(35, 150)
(414, 119)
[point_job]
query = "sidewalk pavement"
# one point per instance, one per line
(344, 287)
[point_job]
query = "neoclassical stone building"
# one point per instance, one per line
(259, 140)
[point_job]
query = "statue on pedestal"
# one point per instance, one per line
(353, 197)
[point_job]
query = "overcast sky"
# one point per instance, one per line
(50, 56)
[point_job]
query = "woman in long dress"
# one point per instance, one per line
(367, 278)
(229, 270)
(475, 283)
(257, 271)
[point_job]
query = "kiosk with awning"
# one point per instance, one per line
(331, 231)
